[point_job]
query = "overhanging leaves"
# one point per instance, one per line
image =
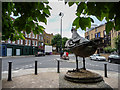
(84, 22)
(109, 26)
(81, 7)
(29, 12)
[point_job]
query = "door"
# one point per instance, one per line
(9, 51)
(18, 52)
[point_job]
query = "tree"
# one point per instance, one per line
(109, 49)
(107, 10)
(29, 14)
(56, 41)
(117, 43)
(64, 39)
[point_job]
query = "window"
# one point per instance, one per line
(40, 33)
(41, 38)
(96, 29)
(21, 42)
(29, 42)
(18, 42)
(39, 43)
(42, 44)
(29, 35)
(13, 42)
(104, 33)
(33, 43)
(9, 41)
(36, 36)
(96, 35)
(33, 36)
(99, 34)
(25, 42)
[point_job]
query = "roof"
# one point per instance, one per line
(95, 27)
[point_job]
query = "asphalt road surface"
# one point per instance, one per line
(49, 61)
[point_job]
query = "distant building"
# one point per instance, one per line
(47, 38)
(99, 32)
(29, 46)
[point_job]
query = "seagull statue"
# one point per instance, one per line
(81, 47)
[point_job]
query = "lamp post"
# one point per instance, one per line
(61, 15)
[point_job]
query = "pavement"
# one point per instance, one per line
(17, 56)
(49, 78)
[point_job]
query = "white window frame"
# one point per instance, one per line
(29, 41)
(18, 42)
(39, 43)
(42, 44)
(33, 36)
(40, 33)
(36, 36)
(33, 43)
(13, 42)
(21, 42)
(41, 38)
(25, 42)
(36, 43)
(9, 41)
(29, 35)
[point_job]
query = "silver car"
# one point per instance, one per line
(97, 57)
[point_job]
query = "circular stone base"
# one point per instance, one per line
(83, 76)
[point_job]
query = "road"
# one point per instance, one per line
(49, 61)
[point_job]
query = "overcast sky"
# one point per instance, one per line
(53, 24)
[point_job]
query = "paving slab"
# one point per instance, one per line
(49, 78)
(42, 80)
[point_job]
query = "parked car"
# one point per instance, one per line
(39, 54)
(97, 57)
(114, 58)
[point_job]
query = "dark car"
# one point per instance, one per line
(114, 59)
(39, 54)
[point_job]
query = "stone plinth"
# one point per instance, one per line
(68, 84)
(83, 76)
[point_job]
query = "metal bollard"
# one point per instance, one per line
(58, 68)
(35, 67)
(105, 68)
(9, 71)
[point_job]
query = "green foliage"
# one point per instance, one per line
(56, 41)
(29, 14)
(117, 41)
(64, 39)
(109, 49)
(47, 44)
(107, 10)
